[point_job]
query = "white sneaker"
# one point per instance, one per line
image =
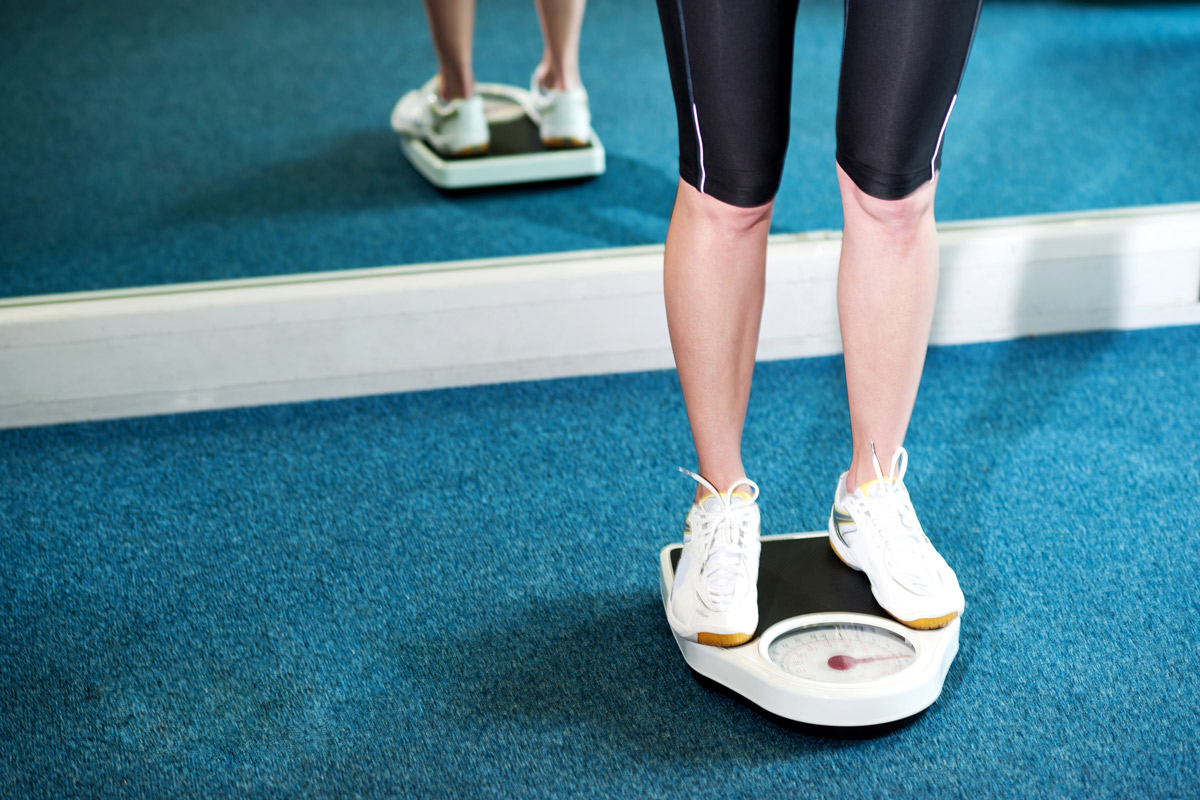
(564, 118)
(875, 529)
(714, 599)
(451, 127)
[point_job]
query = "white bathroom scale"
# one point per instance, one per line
(516, 153)
(826, 658)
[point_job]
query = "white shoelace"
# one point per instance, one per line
(723, 557)
(907, 550)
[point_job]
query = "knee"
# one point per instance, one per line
(900, 216)
(720, 217)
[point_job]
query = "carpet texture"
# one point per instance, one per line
(454, 593)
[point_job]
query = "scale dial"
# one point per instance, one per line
(841, 652)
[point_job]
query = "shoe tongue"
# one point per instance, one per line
(736, 500)
(877, 488)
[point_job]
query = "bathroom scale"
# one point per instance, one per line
(516, 153)
(825, 657)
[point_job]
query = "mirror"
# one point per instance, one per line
(176, 142)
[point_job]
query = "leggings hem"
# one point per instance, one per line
(882, 185)
(731, 194)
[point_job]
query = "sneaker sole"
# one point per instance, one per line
(563, 143)
(924, 624)
(468, 152)
(710, 639)
(723, 639)
(929, 623)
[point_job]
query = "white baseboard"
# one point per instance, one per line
(324, 335)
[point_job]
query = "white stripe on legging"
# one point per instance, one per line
(687, 68)
(941, 133)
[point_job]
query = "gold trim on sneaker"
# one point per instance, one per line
(723, 639)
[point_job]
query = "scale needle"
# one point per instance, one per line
(847, 662)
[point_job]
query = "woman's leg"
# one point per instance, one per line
(887, 284)
(713, 281)
(901, 66)
(562, 21)
(730, 68)
(452, 28)
(731, 73)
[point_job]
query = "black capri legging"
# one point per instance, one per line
(731, 72)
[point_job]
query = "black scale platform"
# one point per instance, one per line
(804, 576)
(517, 136)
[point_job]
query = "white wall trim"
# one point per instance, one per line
(215, 345)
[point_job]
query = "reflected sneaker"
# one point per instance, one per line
(875, 529)
(451, 127)
(564, 118)
(714, 599)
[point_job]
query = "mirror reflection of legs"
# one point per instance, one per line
(453, 117)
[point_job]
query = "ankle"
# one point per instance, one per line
(871, 464)
(722, 488)
(452, 87)
(851, 478)
(557, 79)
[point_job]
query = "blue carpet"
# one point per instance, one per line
(171, 141)
(454, 593)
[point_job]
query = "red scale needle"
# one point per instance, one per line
(848, 662)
